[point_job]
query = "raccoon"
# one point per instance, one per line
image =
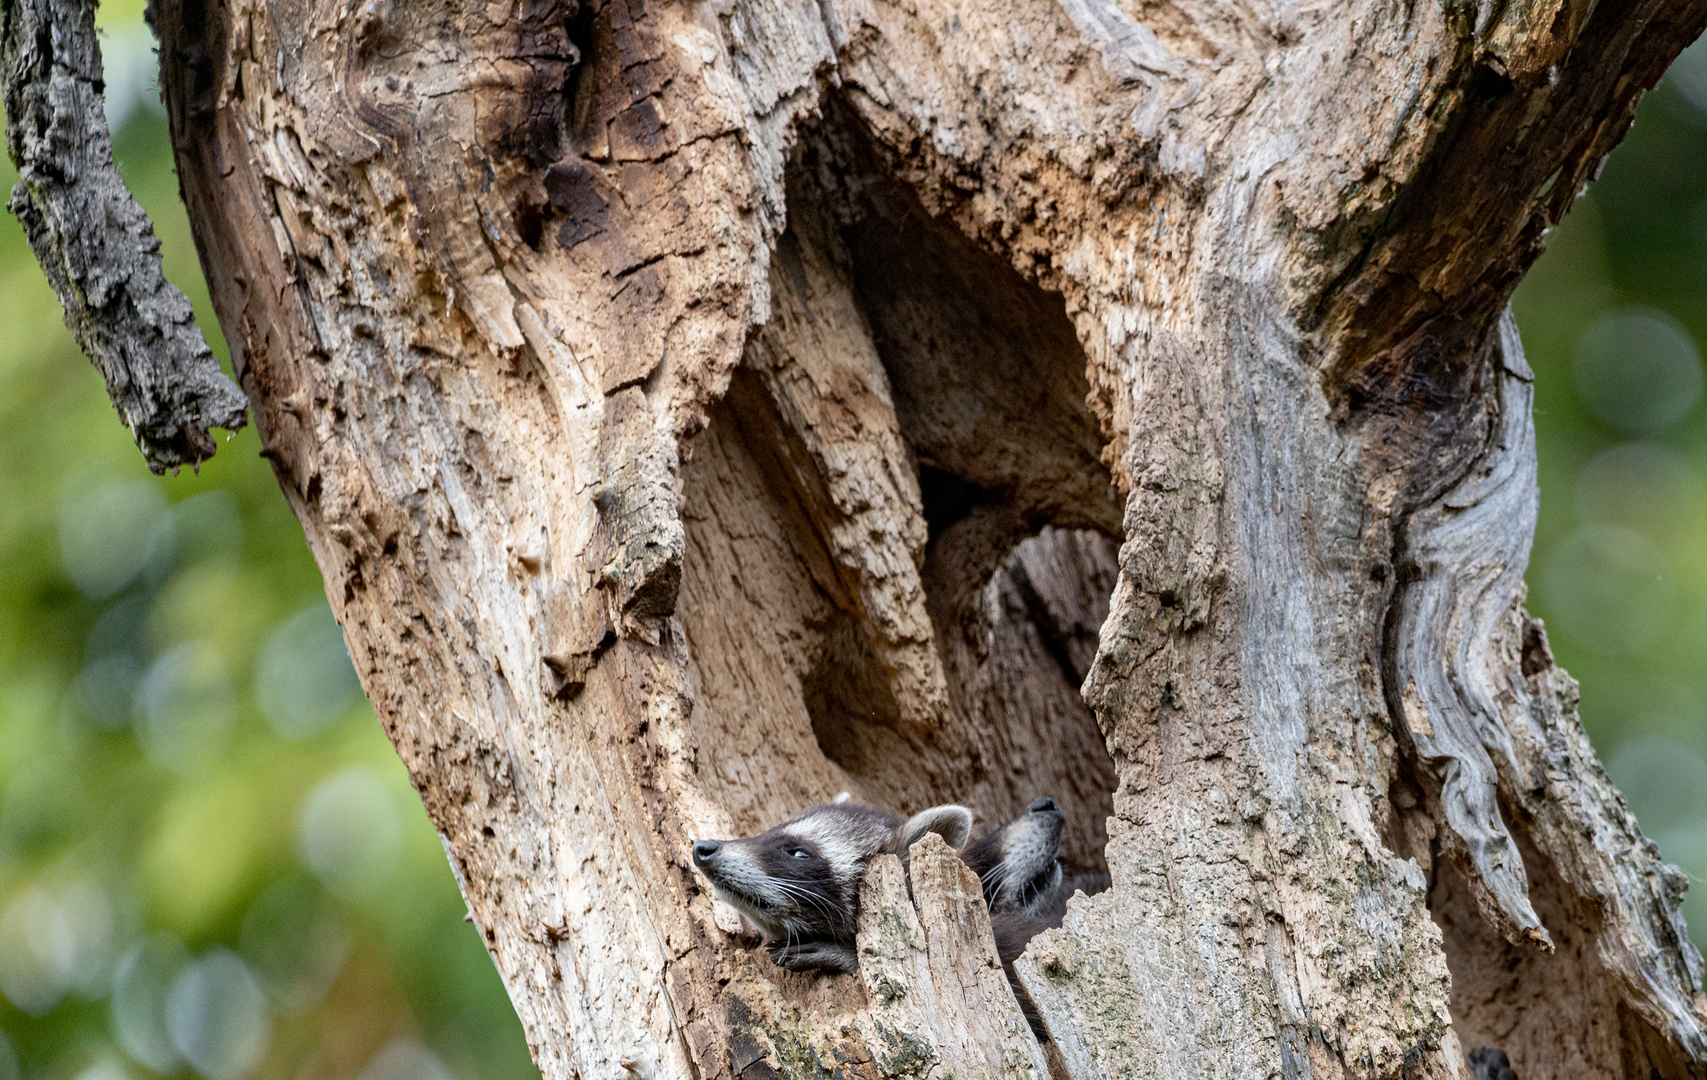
(1026, 889)
(1490, 1064)
(798, 882)
(1016, 863)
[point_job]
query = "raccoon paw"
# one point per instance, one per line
(815, 956)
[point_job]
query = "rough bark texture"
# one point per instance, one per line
(96, 245)
(700, 408)
(940, 1005)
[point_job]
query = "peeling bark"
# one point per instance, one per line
(698, 409)
(95, 243)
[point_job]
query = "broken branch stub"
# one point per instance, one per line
(940, 1005)
(96, 245)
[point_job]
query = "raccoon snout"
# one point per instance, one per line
(704, 851)
(1043, 805)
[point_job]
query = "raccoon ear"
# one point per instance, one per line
(952, 823)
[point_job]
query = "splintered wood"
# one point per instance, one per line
(940, 1005)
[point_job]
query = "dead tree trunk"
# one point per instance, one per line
(700, 408)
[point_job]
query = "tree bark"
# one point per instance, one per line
(701, 408)
(96, 245)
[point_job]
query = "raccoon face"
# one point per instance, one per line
(1016, 863)
(799, 881)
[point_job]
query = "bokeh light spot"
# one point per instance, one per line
(1609, 589)
(406, 1059)
(217, 1015)
(106, 689)
(122, 629)
(210, 527)
(350, 833)
(130, 69)
(143, 982)
(1688, 76)
(10, 1069)
(303, 678)
(104, 535)
(295, 942)
(56, 941)
(105, 1069)
(1637, 369)
(1641, 485)
(185, 707)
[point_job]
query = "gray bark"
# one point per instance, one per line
(698, 409)
(95, 243)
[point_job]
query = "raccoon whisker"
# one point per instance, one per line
(787, 890)
(790, 890)
(996, 879)
(795, 891)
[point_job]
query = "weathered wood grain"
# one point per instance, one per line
(940, 1005)
(698, 409)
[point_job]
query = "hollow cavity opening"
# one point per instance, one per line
(901, 535)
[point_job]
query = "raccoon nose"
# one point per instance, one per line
(1043, 806)
(703, 850)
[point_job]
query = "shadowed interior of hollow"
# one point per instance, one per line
(1554, 1015)
(976, 377)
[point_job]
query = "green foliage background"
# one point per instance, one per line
(89, 817)
(287, 836)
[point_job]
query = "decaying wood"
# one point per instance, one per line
(96, 244)
(940, 1005)
(1491, 722)
(698, 409)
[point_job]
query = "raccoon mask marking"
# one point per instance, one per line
(798, 882)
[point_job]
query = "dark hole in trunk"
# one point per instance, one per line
(811, 677)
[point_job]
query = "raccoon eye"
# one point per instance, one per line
(800, 853)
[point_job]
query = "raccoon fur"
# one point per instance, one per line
(798, 882)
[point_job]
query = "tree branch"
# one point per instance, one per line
(95, 243)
